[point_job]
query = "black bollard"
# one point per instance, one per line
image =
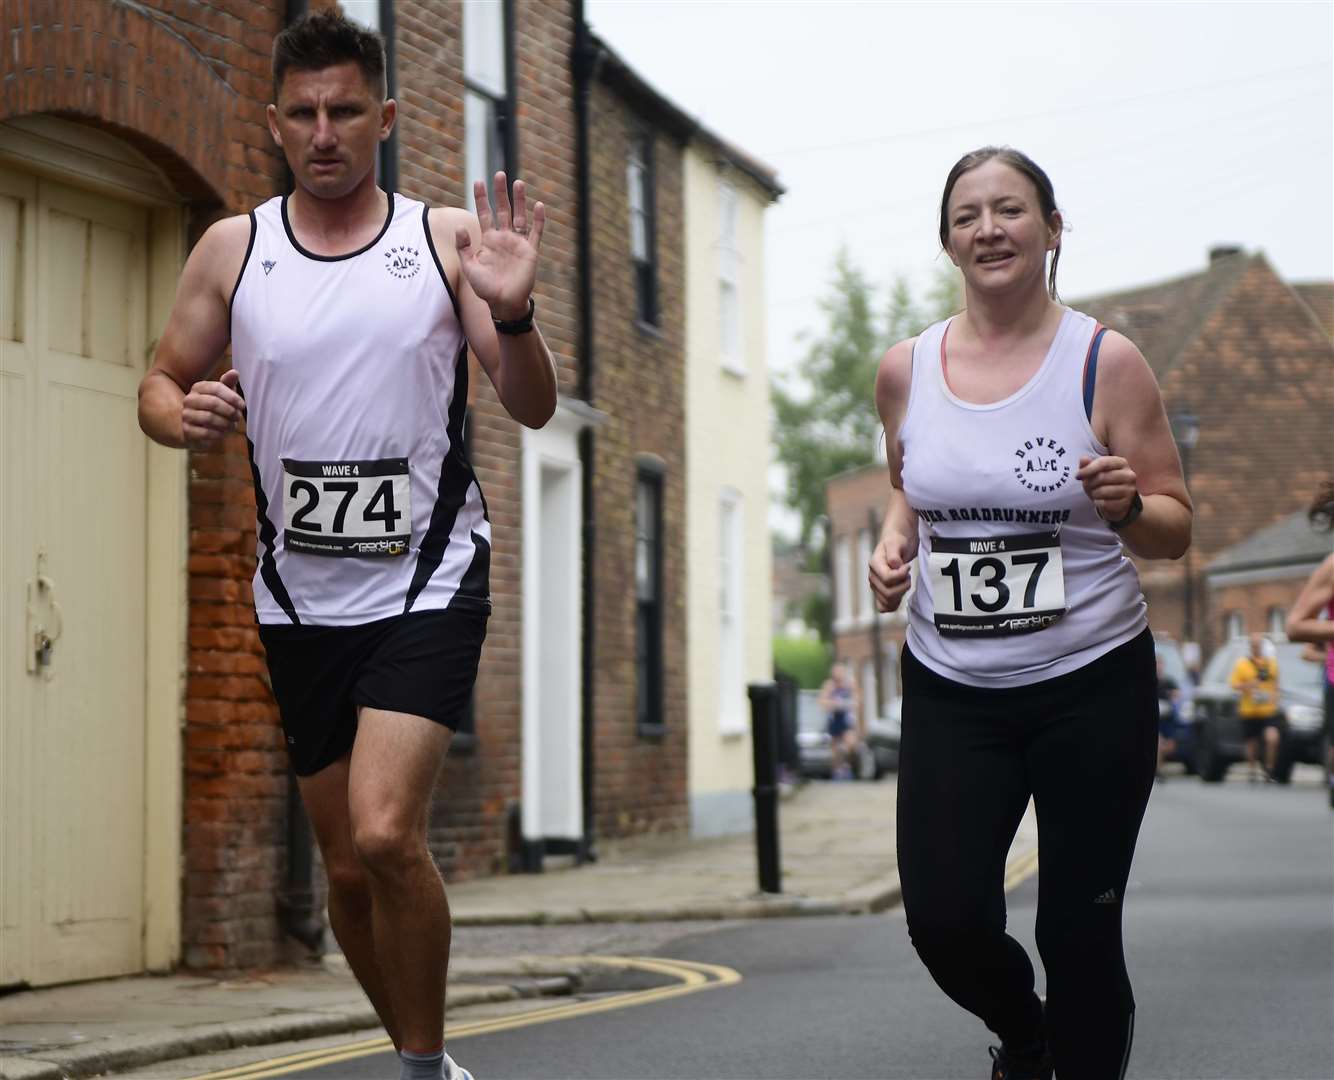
(764, 742)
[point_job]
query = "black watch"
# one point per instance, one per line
(521, 325)
(1131, 515)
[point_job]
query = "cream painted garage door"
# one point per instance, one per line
(73, 329)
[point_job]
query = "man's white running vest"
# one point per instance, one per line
(355, 374)
(1017, 579)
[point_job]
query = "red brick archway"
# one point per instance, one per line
(118, 67)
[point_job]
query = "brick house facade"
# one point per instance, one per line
(639, 381)
(855, 503)
(186, 84)
(1253, 585)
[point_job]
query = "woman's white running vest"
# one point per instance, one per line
(355, 374)
(1018, 579)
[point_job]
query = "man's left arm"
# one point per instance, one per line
(492, 265)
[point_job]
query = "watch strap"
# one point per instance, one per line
(1131, 515)
(521, 325)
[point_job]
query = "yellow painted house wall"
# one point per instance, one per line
(727, 450)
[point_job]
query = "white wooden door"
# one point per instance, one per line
(552, 783)
(75, 471)
(18, 697)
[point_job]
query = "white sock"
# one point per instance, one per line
(421, 1066)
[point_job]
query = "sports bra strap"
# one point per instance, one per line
(1091, 371)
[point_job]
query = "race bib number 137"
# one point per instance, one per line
(997, 584)
(350, 509)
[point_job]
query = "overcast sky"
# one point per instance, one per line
(1166, 128)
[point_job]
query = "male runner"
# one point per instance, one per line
(349, 317)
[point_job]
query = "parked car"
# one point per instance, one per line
(1174, 666)
(1218, 740)
(877, 754)
(882, 736)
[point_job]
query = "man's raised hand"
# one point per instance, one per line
(501, 266)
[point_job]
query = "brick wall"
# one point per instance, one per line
(639, 380)
(792, 586)
(1253, 603)
(849, 500)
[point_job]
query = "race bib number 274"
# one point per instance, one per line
(997, 584)
(349, 509)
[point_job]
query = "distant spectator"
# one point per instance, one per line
(1305, 623)
(1255, 676)
(841, 703)
(1169, 715)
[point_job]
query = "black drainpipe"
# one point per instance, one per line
(389, 148)
(584, 63)
(298, 914)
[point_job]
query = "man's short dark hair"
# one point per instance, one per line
(321, 39)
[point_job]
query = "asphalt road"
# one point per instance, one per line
(1230, 929)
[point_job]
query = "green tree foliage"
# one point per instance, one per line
(818, 613)
(825, 420)
(805, 660)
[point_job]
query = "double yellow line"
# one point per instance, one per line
(691, 978)
(1021, 870)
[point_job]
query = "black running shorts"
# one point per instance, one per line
(1254, 727)
(423, 663)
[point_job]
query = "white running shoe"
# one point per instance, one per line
(455, 1071)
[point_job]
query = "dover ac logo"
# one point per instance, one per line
(1041, 464)
(403, 261)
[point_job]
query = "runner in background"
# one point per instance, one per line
(1312, 618)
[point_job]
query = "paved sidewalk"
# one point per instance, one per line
(837, 850)
(836, 846)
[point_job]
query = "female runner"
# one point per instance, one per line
(1026, 446)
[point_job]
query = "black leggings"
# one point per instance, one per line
(1084, 746)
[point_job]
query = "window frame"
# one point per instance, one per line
(644, 270)
(864, 597)
(732, 702)
(649, 659)
(732, 355)
(844, 614)
(501, 137)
